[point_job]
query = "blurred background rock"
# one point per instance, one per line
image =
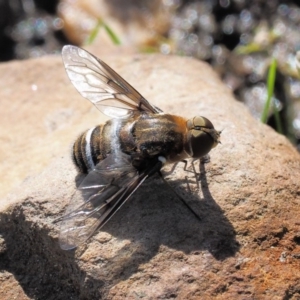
(238, 38)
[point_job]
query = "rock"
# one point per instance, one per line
(247, 244)
(10, 288)
(140, 25)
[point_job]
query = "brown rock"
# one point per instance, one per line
(247, 244)
(10, 288)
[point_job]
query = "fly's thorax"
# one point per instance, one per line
(201, 137)
(160, 135)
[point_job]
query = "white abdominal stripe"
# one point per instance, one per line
(88, 150)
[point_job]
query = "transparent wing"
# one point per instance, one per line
(101, 85)
(95, 199)
(104, 190)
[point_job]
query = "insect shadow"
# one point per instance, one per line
(154, 217)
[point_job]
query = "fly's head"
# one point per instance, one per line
(201, 137)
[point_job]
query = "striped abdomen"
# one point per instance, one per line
(94, 145)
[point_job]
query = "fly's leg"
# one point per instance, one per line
(185, 162)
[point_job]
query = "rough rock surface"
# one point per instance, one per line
(246, 246)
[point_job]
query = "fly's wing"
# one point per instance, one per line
(103, 191)
(101, 85)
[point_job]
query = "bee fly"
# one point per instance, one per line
(121, 154)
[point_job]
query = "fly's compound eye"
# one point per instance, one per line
(202, 136)
(199, 122)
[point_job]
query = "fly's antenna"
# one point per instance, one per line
(178, 196)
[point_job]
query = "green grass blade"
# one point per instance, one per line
(94, 33)
(91, 38)
(270, 86)
(111, 34)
